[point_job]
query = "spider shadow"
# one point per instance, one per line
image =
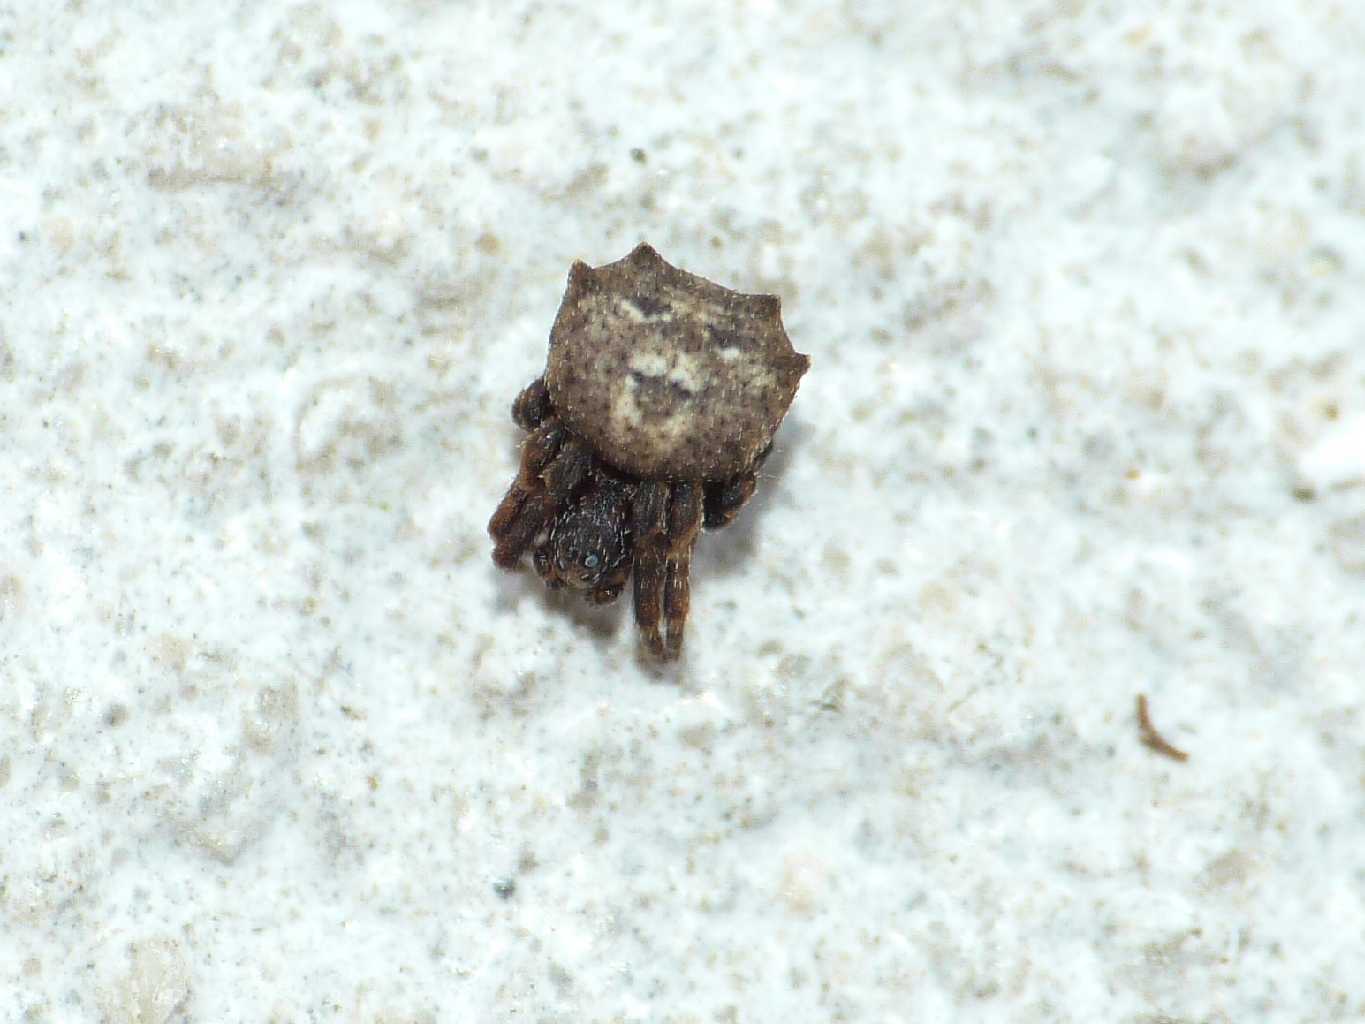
(603, 622)
(723, 552)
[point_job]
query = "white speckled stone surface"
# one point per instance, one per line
(1084, 288)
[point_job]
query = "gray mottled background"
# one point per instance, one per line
(1084, 289)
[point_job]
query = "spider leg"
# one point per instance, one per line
(725, 498)
(665, 523)
(605, 594)
(684, 523)
(536, 453)
(540, 558)
(649, 523)
(532, 406)
(543, 487)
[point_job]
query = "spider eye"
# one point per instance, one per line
(591, 562)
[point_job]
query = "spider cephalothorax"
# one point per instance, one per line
(658, 404)
(587, 546)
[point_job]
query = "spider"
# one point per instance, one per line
(658, 404)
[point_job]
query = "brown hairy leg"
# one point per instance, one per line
(531, 411)
(552, 467)
(649, 524)
(684, 523)
(605, 594)
(536, 453)
(665, 522)
(725, 498)
(532, 406)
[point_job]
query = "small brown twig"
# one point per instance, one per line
(1152, 738)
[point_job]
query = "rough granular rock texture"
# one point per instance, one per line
(668, 374)
(1084, 286)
